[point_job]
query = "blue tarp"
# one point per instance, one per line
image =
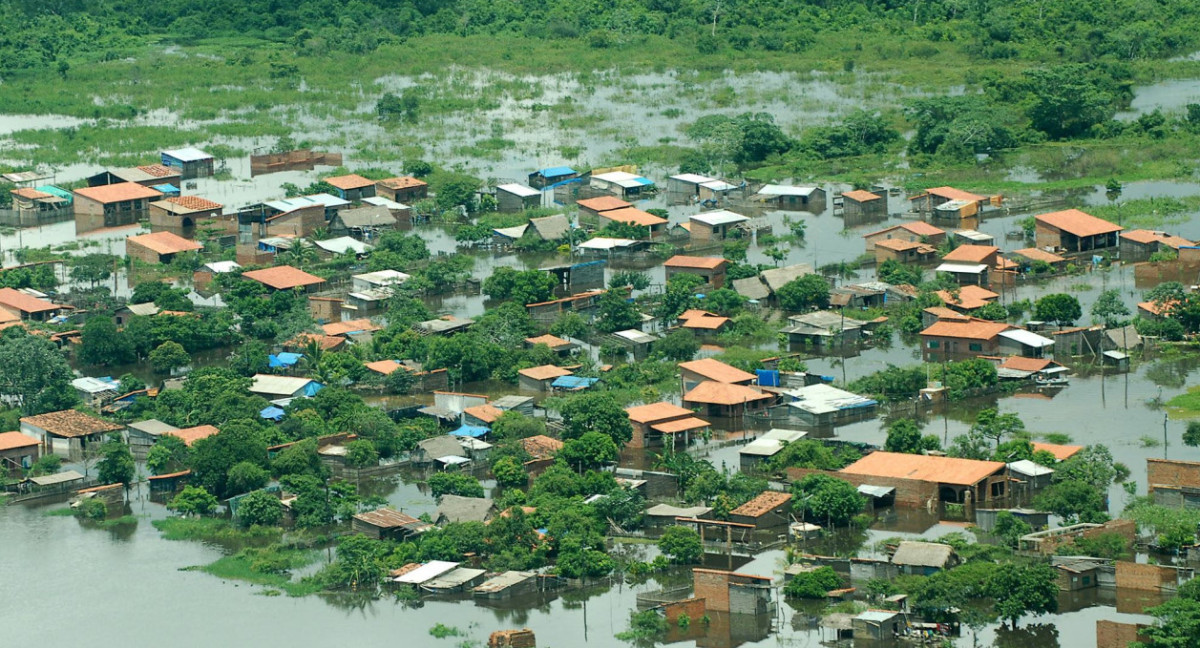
(554, 172)
(312, 388)
(283, 360)
(475, 432)
(645, 182)
(767, 377)
(272, 413)
(168, 190)
(573, 382)
(55, 191)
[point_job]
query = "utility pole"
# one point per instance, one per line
(1165, 419)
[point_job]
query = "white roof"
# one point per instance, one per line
(772, 442)
(372, 295)
(456, 578)
(693, 178)
(518, 189)
(91, 385)
(721, 217)
(667, 510)
(281, 385)
(219, 267)
(343, 244)
(281, 242)
(380, 201)
(718, 185)
(634, 335)
(822, 399)
(473, 444)
(602, 243)
(188, 154)
(954, 205)
(623, 179)
(453, 460)
(875, 491)
(383, 277)
(1027, 467)
(1028, 338)
(56, 478)
(290, 204)
(147, 308)
(877, 616)
(975, 235)
(963, 268)
(515, 232)
(785, 190)
(428, 571)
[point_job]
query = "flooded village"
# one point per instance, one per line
(549, 394)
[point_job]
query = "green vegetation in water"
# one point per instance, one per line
(442, 631)
(1185, 405)
(1148, 212)
(66, 511)
(268, 566)
(216, 530)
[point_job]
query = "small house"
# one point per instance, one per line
(352, 187)
(342, 245)
(621, 183)
(275, 387)
(181, 213)
(777, 278)
(455, 508)
(68, 433)
(18, 452)
(159, 247)
(967, 298)
(507, 585)
(948, 200)
(96, 392)
(284, 278)
(710, 269)
(28, 304)
(418, 573)
(961, 481)
(966, 274)
(401, 212)
(40, 205)
(388, 524)
(590, 209)
(1139, 244)
(947, 339)
(1027, 257)
(113, 205)
(303, 220)
(654, 422)
(403, 189)
(378, 280)
(823, 329)
(714, 225)
(456, 581)
(655, 225)
(685, 187)
(480, 416)
(810, 199)
(766, 511)
(638, 342)
(705, 323)
(142, 435)
(543, 178)
(149, 175)
(988, 255)
(539, 378)
(912, 231)
(1075, 231)
(190, 162)
(555, 343)
(906, 252)
(923, 558)
(1035, 476)
(878, 625)
(447, 325)
(555, 227)
(861, 206)
(1075, 575)
(720, 399)
(694, 372)
(514, 197)
(766, 446)
(661, 515)
(443, 449)
(823, 405)
(363, 223)
(972, 237)
(191, 435)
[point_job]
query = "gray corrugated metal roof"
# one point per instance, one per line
(922, 554)
(464, 509)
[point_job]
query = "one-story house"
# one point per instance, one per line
(621, 183)
(766, 446)
(656, 225)
(720, 399)
(912, 231)
(822, 405)
(284, 278)
(363, 222)
(1139, 244)
(923, 558)
(965, 203)
(652, 421)
(190, 161)
(811, 199)
(539, 378)
(1075, 231)
(767, 510)
(822, 329)
(403, 189)
(159, 247)
(862, 206)
(694, 372)
(1026, 257)
(543, 178)
(18, 452)
(714, 225)
(967, 298)
(275, 387)
(590, 209)
(113, 205)
(180, 213)
(710, 269)
(956, 480)
(454, 508)
(142, 435)
(514, 196)
(388, 524)
(902, 251)
(67, 433)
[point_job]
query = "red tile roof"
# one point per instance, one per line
(901, 245)
(681, 425)
(351, 181)
(973, 329)
(541, 446)
(30, 193)
(544, 372)
(158, 170)
(194, 434)
(70, 424)
(342, 328)
(283, 277)
(858, 195)
(1060, 452)
(920, 228)
(551, 341)
(941, 470)
(1078, 223)
(603, 203)
(486, 413)
(633, 216)
(14, 440)
(119, 192)
(1038, 254)
(950, 193)
(385, 367)
(971, 253)
(401, 182)
(1019, 363)
(703, 263)
(766, 502)
(164, 243)
(969, 297)
(195, 203)
(715, 393)
(656, 412)
(717, 370)
(14, 299)
(705, 323)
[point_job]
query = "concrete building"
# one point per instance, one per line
(112, 205)
(284, 278)
(923, 558)
(720, 399)
(1173, 483)
(190, 162)
(715, 225)
(694, 372)
(403, 189)
(1074, 231)
(710, 269)
(945, 201)
(352, 187)
(159, 247)
(142, 435)
(860, 206)
(69, 434)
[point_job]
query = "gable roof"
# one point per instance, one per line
(969, 297)
(401, 182)
(25, 303)
(971, 253)
(1038, 254)
(455, 508)
(486, 413)
(119, 192)
(713, 369)
(551, 228)
(351, 326)
(187, 204)
(193, 434)
(164, 243)
(942, 470)
(70, 423)
(385, 367)
(283, 277)
(858, 195)
(715, 393)
(652, 412)
(387, 518)
(440, 446)
(765, 502)
(919, 228)
(1078, 223)
(603, 203)
(950, 193)
(777, 278)
(1060, 452)
(349, 181)
(703, 263)
(369, 216)
(903, 245)
(705, 322)
(544, 372)
(551, 341)
(973, 329)
(922, 554)
(633, 216)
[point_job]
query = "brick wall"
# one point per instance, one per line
(1145, 577)
(1125, 528)
(693, 607)
(1166, 472)
(512, 639)
(713, 587)
(1112, 634)
(135, 250)
(909, 492)
(324, 309)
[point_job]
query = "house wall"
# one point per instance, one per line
(909, 492)
(1177, 474)
(300, 222)
(854, 212)
(369, 530)
(713, 587)
(714, 278)
(135, 250)
(92, 215)
(406, 196)
(1139, 576)
(957, 347)
(509, 202)
(163, 219)
(12, 461)
(325, 309)
(694, 608)
(1114, 634)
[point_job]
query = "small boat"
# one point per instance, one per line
(1051, 381)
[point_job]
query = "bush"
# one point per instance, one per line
(260, 508)
(813, 584)
(682, 545)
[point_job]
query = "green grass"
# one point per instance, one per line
(1149, 212)
(1185, 405)
(213, 530)
(59, 512)
(267, 566)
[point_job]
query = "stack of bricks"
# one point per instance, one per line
(522, 638)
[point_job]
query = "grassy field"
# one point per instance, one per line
(267, 566)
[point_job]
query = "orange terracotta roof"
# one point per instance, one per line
(974, 329)
(941, 312)
(971, 253)
(969, 297)
(17, 300)
(682, 425)
(541, 446)
(695, 262)
(1019, 363)
(195, 203)
(385, 367)
(181, 473)
(603, 203)
(656, 412)
(283, 277)
(70, 423)
(164, 243)
(194, 434)
(950, 193)
(715, 393)
(401, 182)
(1078, 223)
(119, 192)
(942, 470)
(351, 181)
(544, 372)
(901, 245)
(486, 413)
(860, 196)
(342, 328)
(633, 216)
(14, 440)
(551, 341)
(765, 502)
(30, 193)
(920, 228)
(158, 170)
(326, 342)
(1038, 254)
(712, 369)
(1156, 307)
(1148, 236)
(695, 312)
(705, 323)
(1060, 452)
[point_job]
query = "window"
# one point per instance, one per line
(975, 347)
(933, 344)
(1087, 580)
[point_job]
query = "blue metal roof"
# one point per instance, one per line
(645, 182)
(554, 172)
(767, 377)
(473, 431)
(168, 189)
(273, 413)
(283, 360)
(55, 191)
(573, 382)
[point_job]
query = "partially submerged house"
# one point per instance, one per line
(967, 298)
(917, 558)
(274, 387)
(621, 183)
(455, 508)
(352, 187)
(284, 278)
(694, 372)
(912, 231)
(810, 199)
(822, 329)
(181, 213)
(539, 378)
(388, 524)
(590, 209)
(142, 435)
(363, 223)
(767, 510)
(514, 197)
(766, 446)
(1027, 257)
(710, 269)
(656, 225)
(159, 247)
(69, 434)
(18, 452)
(947, 479)
(715, 225)
(720, 399)
(948, 201)
(543, 178)
(189, 161)
(112, 205)
(1139, 244)
(861, 206)
(822, 405)
(654, 422)
(402, 189)
(902, 251)
(1074, 231)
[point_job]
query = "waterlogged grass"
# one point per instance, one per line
(1185, 405)
(1149, 212)
(269, 566)
(214, 530)
(66, 511)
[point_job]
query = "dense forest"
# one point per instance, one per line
(44, 33)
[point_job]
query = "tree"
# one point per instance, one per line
(1017, 590)
(33, 373)
(515, 425)
(169, 356)
(1191, 436)
(1178, 624)
(1109, 308)
(193, 500)
(614, 312)
(300, 458)
(521, 286)
(1009, 528)
(905, 436)
(214, 456)
(813, 584)
(1074, 501)
(894, 272)
(1060, 308)
(680, 346)
(259, 508)
(169, 454)
(681, 545)
(827, 499)
(361, 454)
(1067, 101)
(245, 477)
(102, 344)
(510, 473)
(596, 412)
(804, 293)
(632, 278)
(461, 484)
(116, 465)
(995, 426)
(591, 450)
